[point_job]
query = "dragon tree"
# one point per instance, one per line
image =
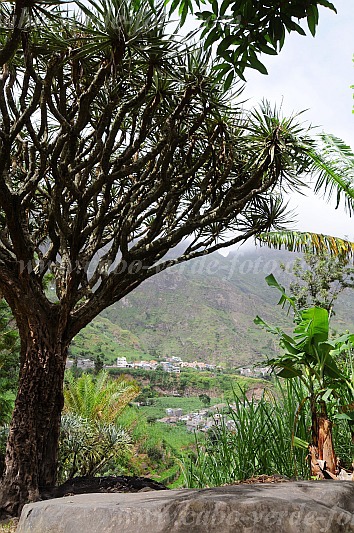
(116, 145)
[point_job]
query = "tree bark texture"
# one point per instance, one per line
(31, 454)
(322, 452)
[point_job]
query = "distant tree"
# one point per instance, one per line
(205, 399)
(319, 279)
(99, 363)
(116, 145)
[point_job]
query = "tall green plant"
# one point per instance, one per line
(265, 436)
(309, 356)
(91, 436)
(98, 398)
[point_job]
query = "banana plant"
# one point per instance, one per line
(309, 356)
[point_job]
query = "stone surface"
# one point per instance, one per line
(294, 507)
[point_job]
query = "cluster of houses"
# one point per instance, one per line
(202, 420)
(255, 371)
(171, 364)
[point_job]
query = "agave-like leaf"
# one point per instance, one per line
(296, 241)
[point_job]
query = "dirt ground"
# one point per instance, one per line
(8, 526)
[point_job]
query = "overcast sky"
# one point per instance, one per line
(315, 74)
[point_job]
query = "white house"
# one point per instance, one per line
(122, 362)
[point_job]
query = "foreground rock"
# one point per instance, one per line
(296, 507)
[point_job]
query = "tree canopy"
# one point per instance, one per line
(118, 146)
(319, 279)
(240, 30)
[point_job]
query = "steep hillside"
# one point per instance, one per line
(202, 310)
(106, 339)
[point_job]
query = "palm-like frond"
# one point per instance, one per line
(98, 398)
(334, 163)
(296, 241)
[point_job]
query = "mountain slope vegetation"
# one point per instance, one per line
(202, 310)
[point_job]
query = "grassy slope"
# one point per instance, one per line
(108, 340)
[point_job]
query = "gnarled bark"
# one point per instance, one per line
(31, 454)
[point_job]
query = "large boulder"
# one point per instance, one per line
(294, 507)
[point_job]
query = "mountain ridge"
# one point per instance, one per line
(202, 310)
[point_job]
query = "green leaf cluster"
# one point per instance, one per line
(91, 435)
(243, 30)
(310, 352)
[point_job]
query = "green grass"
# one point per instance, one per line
(262, 440)
(187, 404)
(102, 337)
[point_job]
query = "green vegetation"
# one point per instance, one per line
(310, 355)
(203, 310)
(9, 362)
(121, 144)
(158, 406)
(159, 449)
(231, 24)
(320, 279)
(97, 398)
(91, 437)
(333, 162)
(267, 437)
(107, 340)
(102, 435)
(188, 383)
